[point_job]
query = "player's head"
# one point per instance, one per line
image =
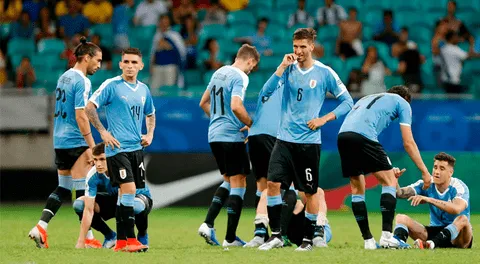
(99, 157)
(401, 90)
(451, 7)
(304, 43)
(131, 62)
(248, 56)
(443, 165)
(89, 54)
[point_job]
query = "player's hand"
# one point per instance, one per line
(427, 180)
(80, 244)
(109, 140)
(315, 123)
(288, 60)
(245, 128)
(88, 152)
(146, 140)
(398, 172)
(418, 199)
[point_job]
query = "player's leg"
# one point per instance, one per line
(142, 207)
(219, 199)
(261, 222)
(79, 172)
(320, 238)
(78, 206)
(105, 208)
(405, 227)
(359, 208)
(289, 205)
(457, 234)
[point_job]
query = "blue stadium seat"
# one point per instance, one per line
(15, 59)
(312, 7)
(260, 4)
(241, 17)
(270, 63)
(105, 32)
(425, 49)
(276, 32)
(346, 4)
(201, 13)
(19, 46)
(327, 33)
(239, 31)
(391, 63)
(336, 64)
(99, 77)
(193, 77)
(434, 5)
(48, 61)
(431, 18)
(47, 78)
(408, 5)
(371, 5)
(329, 48)
(228, 48)
(51, 46)
(392, 80)
(4, 30)
(255, 83)
(421, 35)
(286, 5)
(289, 32)
(213, 31)
(471, 68)
(410, 19)
(276, 17)
(468, 5)
(373, 18)
(142, 37)
(351, 64)
(281, 48)
(368, 32)
(207, 76)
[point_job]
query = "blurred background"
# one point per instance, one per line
(429, 45)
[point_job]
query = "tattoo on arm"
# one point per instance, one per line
(150, 123)
(405, 192)
(94, 119)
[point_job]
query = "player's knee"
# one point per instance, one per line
(461, 221)
(321, 193)
(78, 206)
(138, 205)
(401, 219)
(273, 185)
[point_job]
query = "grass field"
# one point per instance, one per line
(174, 239)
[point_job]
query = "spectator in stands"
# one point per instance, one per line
(10, 11)
(186, 8)
(167, 56)
(120, 23)
(47, 27)
(410, 62)
(261, 41)
(213, 59)
(457, 25)
(452, 58)
(23, 28)
(68, 53)
(301, 16)
(387, 30)
(106, 53)
(98, 11)
(402, 44)
(25, 74)
(33, 7)
(74, 22)
(189, 32)
(330, 14)
(374, 70)
(148, 12)
(234, 5)
(215, 14)
(3, 70)
(438, 41)
(349, 42)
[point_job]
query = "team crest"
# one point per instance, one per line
(143, 99)
(123, 174)
(313, 83)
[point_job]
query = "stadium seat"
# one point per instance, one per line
(105, 32)
(15, 59)
(260, 4)
(196, 90)
(329, 48)
(409, 19)
(201, 13)
(241, 17)
(286, 5)
(368, 32)
(289, 32)
(255, 84)
(276, 32)
(51, 46)
(409, 5)
(346, 4)
(207, 76)
(392, 80)
(421, 35)
(327, 33)
(281, 48)
(228, 48)
(193, 77)
(270, 63)
(18, 46)
(279, 18)
(468, 5)
(391, 63)
(99, 77)
(47, 79)
(433, 5)
(475, 87)
(212, 31)
(336, 64)
(471, 68)
(239, 31)
(312, 7)
(425, 49)
(48, 62)
(4, 30)
(353, 63)
(371, 5)
(142, 37)
(373, 18)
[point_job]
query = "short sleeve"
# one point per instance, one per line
(417, 187)
(103, 95)
(335, 85)
(82, 90)
(404, 113)
(91, 183)
(461, 53)
(239, 86)
(148, 108)
(462, 191)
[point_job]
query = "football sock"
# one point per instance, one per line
(310, 225)
(388, 202)
(141, 221)
(359, 209)
(288, 205)
(274, 208)
(100, 225)
(234, 209)
(128, 215)
(219, 198)
(54, 201)
(119, 224)
(261, 223)
(444, 238)
(79, 186)
(401, 231)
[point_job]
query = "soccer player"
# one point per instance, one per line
(96, 206)
(128, 102)
(72, 138)
(361, 154)
(449, 203)
(223, 103)
(296, 154)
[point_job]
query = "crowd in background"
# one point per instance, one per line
(180, 43)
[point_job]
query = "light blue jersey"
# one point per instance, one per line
(302, 99)
(126, 107)
(373, 113)
(96, 180)
(226, 83)
(456, 190)
(267, 116)
(73, 90)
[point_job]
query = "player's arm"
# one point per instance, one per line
(205, 102)
(81, 99)
(456, 206)
(149, 112)
(405, 192)
(272, 83)
(88, 212)
(412, 149)
(240, 112)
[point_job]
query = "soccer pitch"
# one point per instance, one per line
(174, 239)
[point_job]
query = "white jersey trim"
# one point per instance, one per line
(405, 124)
(95, 95)
(87, 85)
(342, 87)
(236, 95)
(90, 174)
(244, 76)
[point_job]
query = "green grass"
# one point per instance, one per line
(174, 239)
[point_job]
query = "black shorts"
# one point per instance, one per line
(126, 167)
(360, 155)
(432, 232)
(232, 158)
(107, 204)
(66, 158)
(260, 148)
(297, 163)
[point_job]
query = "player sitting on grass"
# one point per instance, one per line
(448, 199)
(99, 206)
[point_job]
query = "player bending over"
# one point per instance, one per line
(97, 207)
(72, 138)
(361, 154)
(449, 202)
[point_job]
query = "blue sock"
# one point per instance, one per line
(401, 232)
(453, 231)
(311, 217)
(293, 189)
(310, 225)
(225, 185)
(238, 191)
(358, 198)
(390, 190)
(274, 200)
(65, 182)
(138, 206)
(127, 199)
(79, 186)
(258, 193)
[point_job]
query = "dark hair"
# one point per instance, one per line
(404, 29)
(453, 2)
(99, 149)
(263, 19)
(442, 156)
(353, 9)
(401, 90)
(450, 34)
(305, 33)
(247, 51)
(208, 42)
(388, 12)
(134, 51)
(85, 48)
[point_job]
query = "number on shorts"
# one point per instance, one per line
(308, 174)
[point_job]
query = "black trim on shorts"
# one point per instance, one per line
(232, 158)
(260, 148)
(66, 158)
(126, 167)
(360, 155)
